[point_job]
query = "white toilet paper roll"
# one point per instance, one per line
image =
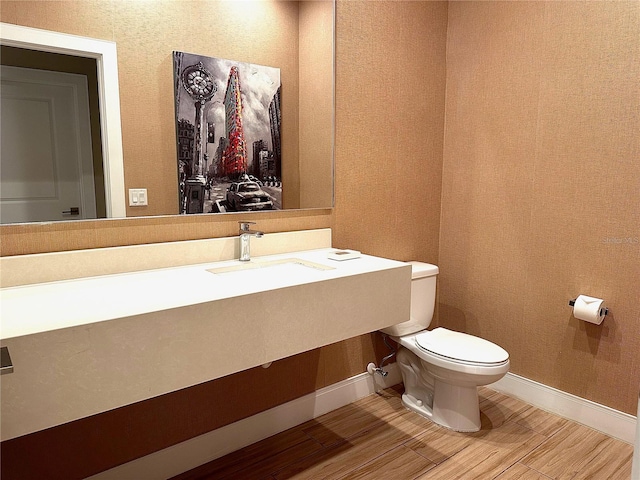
(589, 309)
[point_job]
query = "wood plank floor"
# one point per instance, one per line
(377, 438)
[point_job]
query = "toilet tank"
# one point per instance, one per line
(423, 300)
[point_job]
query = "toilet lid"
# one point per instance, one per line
(461, 347)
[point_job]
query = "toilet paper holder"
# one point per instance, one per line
(603, 311)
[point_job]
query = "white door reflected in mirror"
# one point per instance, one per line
(46, 158)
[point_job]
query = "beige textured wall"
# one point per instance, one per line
(389, 128)
(541, 187)
(390, 114)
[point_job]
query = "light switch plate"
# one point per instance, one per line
(137, 197)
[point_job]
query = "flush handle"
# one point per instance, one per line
(6, 366)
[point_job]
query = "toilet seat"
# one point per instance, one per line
(461, 348)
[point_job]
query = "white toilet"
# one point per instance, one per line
(441, 369)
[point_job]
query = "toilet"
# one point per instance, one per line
(442, 369)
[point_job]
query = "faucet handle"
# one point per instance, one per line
(246, 226)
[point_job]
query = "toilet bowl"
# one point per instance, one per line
(442, 369)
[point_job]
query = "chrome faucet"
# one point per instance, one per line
(245, 239)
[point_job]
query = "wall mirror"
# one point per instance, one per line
(136, 134)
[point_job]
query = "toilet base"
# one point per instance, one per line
(456, 407)
(452, 406)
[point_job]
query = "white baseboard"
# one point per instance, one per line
(635, 465)
(599, 417)
(202, 449)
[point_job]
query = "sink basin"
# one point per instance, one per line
(288, 264)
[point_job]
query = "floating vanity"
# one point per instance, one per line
(100, 329)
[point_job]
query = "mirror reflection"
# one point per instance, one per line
(295, 37)
(51, 159)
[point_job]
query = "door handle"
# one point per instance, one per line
(72, 211)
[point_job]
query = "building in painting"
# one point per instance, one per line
(235, 155)
(259, 146)
(275, 119)
(186, 137)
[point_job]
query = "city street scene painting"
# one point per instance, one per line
(228, 135)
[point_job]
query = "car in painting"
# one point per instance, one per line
(245, 196)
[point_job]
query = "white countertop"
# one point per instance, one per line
(38, 308)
